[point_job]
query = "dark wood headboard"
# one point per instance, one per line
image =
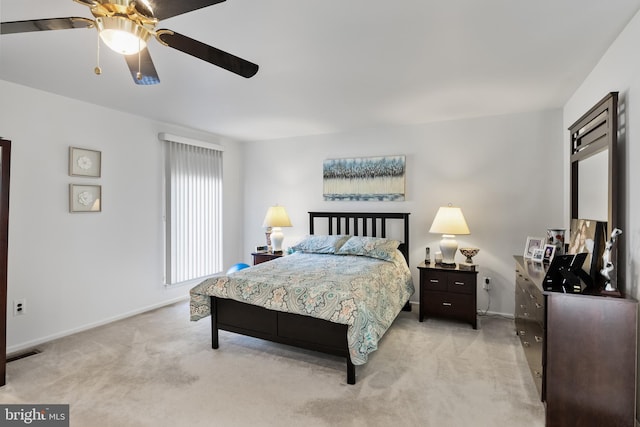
(373, 224)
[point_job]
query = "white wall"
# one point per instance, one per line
(619, 70)
(83, 269)
(505, 172)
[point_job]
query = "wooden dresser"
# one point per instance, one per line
(581, 350)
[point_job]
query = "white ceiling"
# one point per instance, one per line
(331, 65)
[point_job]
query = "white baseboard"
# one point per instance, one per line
(31, 344)
(495, 313)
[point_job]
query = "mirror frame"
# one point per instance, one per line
(594, 132)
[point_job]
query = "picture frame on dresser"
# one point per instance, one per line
(589, 236)
(532, 244)
(538, 255)
(549, 253)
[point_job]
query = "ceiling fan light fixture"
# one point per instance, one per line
(122, 35)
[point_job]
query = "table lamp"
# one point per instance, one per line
(275, 218)
(449, 221)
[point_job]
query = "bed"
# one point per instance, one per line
(337, 294)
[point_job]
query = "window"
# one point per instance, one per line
(193, 216)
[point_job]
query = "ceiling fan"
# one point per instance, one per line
(126, 25)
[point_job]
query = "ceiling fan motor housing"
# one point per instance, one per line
(122, 26)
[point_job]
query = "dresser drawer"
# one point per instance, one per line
(435, 281)
(449, 304)
(522, 302)
(532, 339)
(461, 283)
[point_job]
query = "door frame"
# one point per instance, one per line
(5, 168)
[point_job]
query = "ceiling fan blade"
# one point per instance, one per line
(163, 9)
(148, 74)
(44, 24)
(207, 53)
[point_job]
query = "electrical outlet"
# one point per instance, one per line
(19, 306)
(487, 283)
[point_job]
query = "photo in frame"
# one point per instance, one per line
(85, 198)
(589, 236)
(538, 255)
(532, 244)
(85, 162)
(549, 252)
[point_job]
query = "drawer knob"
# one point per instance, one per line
(447, 304)
(459, 283)
(434, 280)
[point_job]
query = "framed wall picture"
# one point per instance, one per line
(379, 179)
(84, 162)
(532, 244)
(549, 252)
(85, 198)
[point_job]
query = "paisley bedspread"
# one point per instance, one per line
(364, 293)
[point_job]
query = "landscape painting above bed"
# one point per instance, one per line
(364, 179)
(337, 293)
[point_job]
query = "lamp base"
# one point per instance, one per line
(277, 238)
(268, 235)
(448, 247)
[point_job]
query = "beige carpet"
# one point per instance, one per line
(158, 369)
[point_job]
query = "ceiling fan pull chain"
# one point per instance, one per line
(139, 74)
(98, 70)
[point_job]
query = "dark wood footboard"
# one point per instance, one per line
(286, 328)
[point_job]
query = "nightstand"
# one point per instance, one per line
(260, 257)
(448, 292)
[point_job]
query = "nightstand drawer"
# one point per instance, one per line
(461, 283)
(448, 304)
(435, 281)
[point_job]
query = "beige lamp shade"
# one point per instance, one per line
(448, 222)
(276, 217)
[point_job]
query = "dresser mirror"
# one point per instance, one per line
(594, 190)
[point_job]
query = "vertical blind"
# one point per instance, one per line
(193, 236)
